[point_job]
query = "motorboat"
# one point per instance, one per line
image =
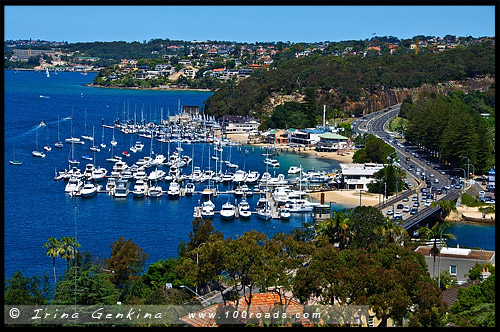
(74, 185)
(284, 213)
(140, 175)
(173, 190)
(110, 186)
(89, 170)
(300, 205)
(126, 175)
(240, 176)
(294, 170)
(155, 191)
(252, 177)
(196, 174)
(263, 207)
(238, 192)
(156, 175)
(189, 189)
(120, 166)
(244, 209)
(277, 181)
(228, 177)
(207, 175)
(228, 211)
(140, 189)
(271, 162)
(159, 159)
(122, 188)
(207, 209)
(89, 190)
(99, 174)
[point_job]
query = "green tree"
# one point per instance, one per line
(127, 260)
(22, 290)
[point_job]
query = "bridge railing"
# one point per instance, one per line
(395, 199)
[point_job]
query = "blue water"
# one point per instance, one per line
(36, 207)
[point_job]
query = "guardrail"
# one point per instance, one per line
(427, 211)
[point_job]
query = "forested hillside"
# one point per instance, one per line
(337, 80)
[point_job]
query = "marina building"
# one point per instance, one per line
(236, 124)
(332, 142)
(357, 176)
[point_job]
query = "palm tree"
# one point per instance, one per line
(54, 250)
(393, 232)
(434, 233)
(68, 245)
(446, 205)
(336, 228)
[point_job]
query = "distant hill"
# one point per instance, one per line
(344, 84)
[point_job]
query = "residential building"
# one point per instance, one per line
(457, 261)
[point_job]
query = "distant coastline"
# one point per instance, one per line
(92, 85)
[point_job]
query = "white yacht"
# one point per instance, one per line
(155, 191)
(89, 190)
(173, 190)
(74, 185)
(252, 177)
(294, 170)
(156, 175)
(196, 174)
(99, 174)
(120, 166)
(240, 176)
(89, 170)
(227, 211)
(300, 205)
(207, 209)
(189, 190)
(263, 207)
(122, 188)
(284, 213)
(244, 209)
(228, 177)
(207, 175)
(110, 186)
(272, 162)
(140, 175)
(140, 189)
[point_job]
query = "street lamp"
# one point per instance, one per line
(201, 297)
(197, 261)
(360, 196)
(468, 163)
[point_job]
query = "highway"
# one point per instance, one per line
(419, 169)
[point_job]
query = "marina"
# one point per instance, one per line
(137, 122)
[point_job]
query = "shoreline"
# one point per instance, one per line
(91, 85)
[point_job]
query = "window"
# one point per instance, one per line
(453, 270)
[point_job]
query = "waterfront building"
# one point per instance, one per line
(306, 136)
(236, 124)
(332, 142)
(457, 261)
(357, 176)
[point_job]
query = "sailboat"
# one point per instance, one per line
(103, 145)
(35, 152)
(58, 144)
(14, 161)
(94, 147)
(113, 142)
(72, 160)
(47, 146)
(263, 205)
(47, 72)
(85, 136)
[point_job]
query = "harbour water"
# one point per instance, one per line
(36, 207)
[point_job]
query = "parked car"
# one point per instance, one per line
(414, 210)
(406, 199)
(406, 208)
(398, 215)
(399, 206)
(390, 212)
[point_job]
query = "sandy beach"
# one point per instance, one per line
(347, 197)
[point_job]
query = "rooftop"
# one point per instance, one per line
(483, 255)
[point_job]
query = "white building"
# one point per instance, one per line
(357, 176)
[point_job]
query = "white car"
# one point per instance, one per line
(406, 208)
(390, 212)
(398, 215)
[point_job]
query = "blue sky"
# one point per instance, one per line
(244, 23)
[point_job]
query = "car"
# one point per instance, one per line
(406, 199)
(390, 212)
(416, 204)
(443, 172)
(414, 198)
(399, 206)
(428, 163)
(428, 203)
(447, 187)
(424, 199)
(436, 180)
(458, 186)
(429, 196)
(439, 192)
(433, 189)
(406, 208)
(414, 210)
(431, 175)
(398, 215)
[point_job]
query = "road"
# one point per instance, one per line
(428, 179)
